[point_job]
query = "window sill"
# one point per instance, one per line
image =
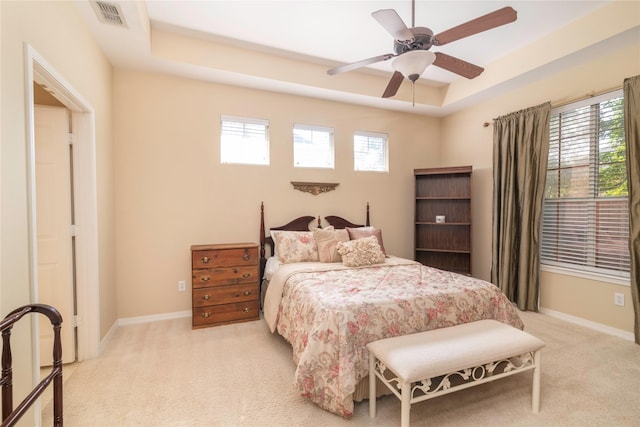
(622, 281)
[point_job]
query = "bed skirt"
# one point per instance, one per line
(362, 389)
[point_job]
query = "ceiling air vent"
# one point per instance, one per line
(109, 13)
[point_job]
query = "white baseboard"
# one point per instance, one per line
(153, 318)
(629, 336)
(136, 320)
(104, 341)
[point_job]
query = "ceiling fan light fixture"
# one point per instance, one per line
(413, 63)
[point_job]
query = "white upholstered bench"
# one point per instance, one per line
(432, 363)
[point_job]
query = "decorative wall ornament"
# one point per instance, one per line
(314, 188)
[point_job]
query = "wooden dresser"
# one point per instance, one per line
(225, 284)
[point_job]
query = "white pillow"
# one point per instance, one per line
(271, 266)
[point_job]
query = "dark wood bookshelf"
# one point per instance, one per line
(447, 192)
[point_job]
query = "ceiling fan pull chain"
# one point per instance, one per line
(413, 94)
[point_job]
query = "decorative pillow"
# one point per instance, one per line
(327, 239)
(296, 246)
(364, 251)
(359, 233)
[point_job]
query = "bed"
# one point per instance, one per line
(329, 311)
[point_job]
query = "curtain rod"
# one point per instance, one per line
(593, 94)
(557, 104)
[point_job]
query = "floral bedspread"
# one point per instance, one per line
(329, 313)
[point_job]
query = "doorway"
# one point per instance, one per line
(83, 164)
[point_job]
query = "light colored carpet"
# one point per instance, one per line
(165, 374)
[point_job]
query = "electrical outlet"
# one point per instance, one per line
(618, 299)
(182, 286)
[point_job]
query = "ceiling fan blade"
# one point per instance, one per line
(458, 66)
(392, 22)
(486, 22)
(394, 85)
(361, 63)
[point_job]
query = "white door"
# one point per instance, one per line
(54, 219)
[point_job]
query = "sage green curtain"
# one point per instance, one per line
(632, 133)
(520, 153)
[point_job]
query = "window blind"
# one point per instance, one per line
(370, 152)
(244, 140)
(312, 146)
(585, 223)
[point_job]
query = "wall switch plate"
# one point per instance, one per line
(182, 286)
(618, 299)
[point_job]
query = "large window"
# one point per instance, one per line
(244, 140)
(312, 147)
(370, 152)
(586, 216)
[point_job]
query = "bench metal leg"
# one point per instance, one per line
(405, 405)
(535, 392)
(372, 385)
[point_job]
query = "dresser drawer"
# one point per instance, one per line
(224, 276)
(224, 257)
(205, 316)
(225, 294)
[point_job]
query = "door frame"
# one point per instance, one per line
(37, 69)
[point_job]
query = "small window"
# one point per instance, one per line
(370, 152)
(312, 147)
(586, 215)
(244, 141)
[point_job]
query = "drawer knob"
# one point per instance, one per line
(247, 293)
(205, 259)
(245, 275)
(246, 257)
(205, 278)
(206, 297)
(206, 314)
(246, 309)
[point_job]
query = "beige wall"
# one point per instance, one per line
(586, 299)
(56, 31)
(466, 141)
(173, 192)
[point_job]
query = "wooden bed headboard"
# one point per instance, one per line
(339, 222)
(298, 224)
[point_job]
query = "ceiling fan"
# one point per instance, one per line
(411, 46)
